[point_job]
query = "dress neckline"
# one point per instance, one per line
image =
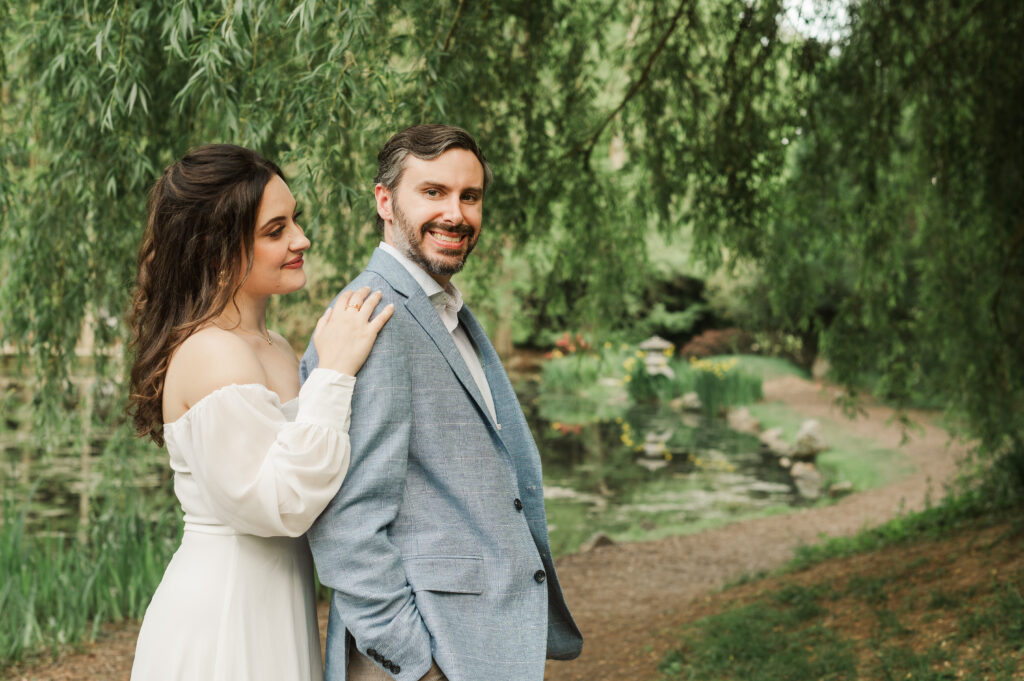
(230, 387)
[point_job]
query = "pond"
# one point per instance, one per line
(644, 471)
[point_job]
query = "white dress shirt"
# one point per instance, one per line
(448, 302)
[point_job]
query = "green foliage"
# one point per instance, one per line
(935, 522)
(764, 642)
(894, 237)
(57, 590)
(863, 620)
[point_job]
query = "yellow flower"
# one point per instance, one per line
(556, 353)
(668, 456)
(627, 378)
(618, 419)
(607, 345)
(556, 426)
(669, 351)
(624, 347)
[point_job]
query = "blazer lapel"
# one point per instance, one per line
(504, 396)
(422, 310)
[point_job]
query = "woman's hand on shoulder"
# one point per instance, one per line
(211, 359)
(345, 333)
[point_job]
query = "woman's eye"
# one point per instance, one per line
(276, 233)
(297, 214)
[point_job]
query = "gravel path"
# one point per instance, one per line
(628, 598)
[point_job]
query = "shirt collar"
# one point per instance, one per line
(449, 298)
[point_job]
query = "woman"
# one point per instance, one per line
(255, 458)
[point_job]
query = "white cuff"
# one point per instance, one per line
(326, 399)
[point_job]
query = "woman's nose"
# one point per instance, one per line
(300, 241)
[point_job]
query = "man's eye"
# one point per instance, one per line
(433, 192)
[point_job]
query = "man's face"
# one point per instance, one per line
(433, 216)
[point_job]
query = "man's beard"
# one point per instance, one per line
(409, 241)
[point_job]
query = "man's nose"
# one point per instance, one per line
(452, 211)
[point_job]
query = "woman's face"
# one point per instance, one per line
(279, 244)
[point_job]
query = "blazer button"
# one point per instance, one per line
(539, 576)
(518, 504)
(395, 669)
(372, 653)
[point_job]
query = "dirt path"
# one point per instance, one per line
(627, 598)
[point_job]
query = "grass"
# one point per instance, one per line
(767, 368)
(58, 591)
(933, 596)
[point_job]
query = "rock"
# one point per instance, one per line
(596, 540)
(820, 368)
(686, 402)
(690, 419)
(763, 488)
(809, 441)
(772, 439)
(556, 492)
(840, 489)
(807, 479)
(741, 420)
(652, 464)
(785, 461)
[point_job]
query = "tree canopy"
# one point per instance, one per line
(871, 176)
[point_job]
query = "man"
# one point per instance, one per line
(436, 545)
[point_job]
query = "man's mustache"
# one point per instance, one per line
(460, 230)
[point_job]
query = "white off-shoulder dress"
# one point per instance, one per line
(252, 474)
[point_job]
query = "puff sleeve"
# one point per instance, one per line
(259, 472)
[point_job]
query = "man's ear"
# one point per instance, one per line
(384, 202)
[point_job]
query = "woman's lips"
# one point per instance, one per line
(294, 264)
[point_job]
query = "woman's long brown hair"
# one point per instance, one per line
(202, 218)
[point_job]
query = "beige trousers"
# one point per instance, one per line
(362, 668)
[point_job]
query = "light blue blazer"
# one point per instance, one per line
(436, 545)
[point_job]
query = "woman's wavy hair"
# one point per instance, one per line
(202, 218)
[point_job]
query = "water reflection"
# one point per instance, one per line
(650, 465)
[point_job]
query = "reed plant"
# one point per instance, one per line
(720, 384)
(58, 590)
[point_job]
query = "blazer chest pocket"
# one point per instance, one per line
(446, 574)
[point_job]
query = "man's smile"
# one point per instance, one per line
(445, 239)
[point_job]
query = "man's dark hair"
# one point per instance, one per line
(425, 142)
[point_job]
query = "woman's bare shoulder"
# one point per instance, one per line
(208, 360)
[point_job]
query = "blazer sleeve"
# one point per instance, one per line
(350, 543)
(261, 473)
